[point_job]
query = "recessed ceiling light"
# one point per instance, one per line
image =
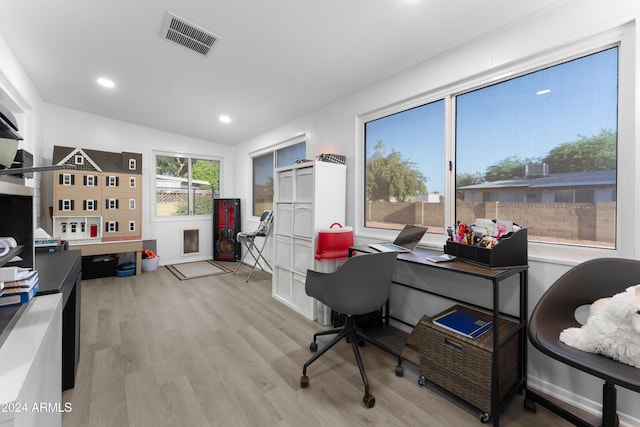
(104, 82)
(224, 119)
(542, 92)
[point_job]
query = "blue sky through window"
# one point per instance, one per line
(507, 119)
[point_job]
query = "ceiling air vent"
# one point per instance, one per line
(186, 34)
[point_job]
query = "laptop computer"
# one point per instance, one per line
(406, 241)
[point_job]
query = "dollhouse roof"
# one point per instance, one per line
(101, 161)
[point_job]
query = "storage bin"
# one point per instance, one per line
(126, 269)
(464, 366)
(332, 250)
(511, 251)
(334, 242)
(97, 266)
(150, 264)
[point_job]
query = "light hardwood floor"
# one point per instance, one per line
(217, 351)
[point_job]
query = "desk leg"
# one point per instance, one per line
(495, 383)
(138, 262)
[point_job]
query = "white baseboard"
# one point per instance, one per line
(577, 400)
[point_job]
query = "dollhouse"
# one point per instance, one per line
(99, 200)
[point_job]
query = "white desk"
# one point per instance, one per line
(31, 365)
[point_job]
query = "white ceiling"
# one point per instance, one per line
(275, 61)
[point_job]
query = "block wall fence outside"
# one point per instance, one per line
(588, 222)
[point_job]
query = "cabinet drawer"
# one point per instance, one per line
(306, 305)
(283, 251)
(302, 255)
(283, 284)
(302, 220)
(285, 186)
(304, 185)
(284, 218)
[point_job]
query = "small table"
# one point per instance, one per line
(108, 248)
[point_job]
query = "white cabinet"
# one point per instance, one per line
(308, 197)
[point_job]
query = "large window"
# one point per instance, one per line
(186, 185)
(545, 146)
(405, 169)
(540, 149)
(263, 171)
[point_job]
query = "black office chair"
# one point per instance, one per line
(582, 285)
(248, 239)
(361, 285)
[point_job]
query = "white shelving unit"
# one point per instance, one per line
(308, 197)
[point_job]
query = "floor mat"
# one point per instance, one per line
(192, 270)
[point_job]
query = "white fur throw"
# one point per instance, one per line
(612, 329)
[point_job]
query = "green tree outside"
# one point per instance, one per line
(392, 177)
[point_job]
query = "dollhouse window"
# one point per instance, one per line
(132, 204)
(132, 226)
(83, 227)
(90, 180)
(132, 182)
(132, 164)
(90, 205)
(79, 160)
(112, 226)
(67, 205)
(112, 181)
(74, 227)
(112, 203)
(66, 179)
(63, 227)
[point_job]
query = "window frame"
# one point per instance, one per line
(273, 150)
(191, 217)
(620, 37)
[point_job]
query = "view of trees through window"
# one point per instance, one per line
(539, 149)
(405, 169)
(186, 186)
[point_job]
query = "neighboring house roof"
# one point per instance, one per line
(569, 179)
(103, 161)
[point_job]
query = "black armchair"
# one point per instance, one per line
(361, 285)
(582, 285)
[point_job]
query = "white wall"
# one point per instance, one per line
(73, 128)
(20, 96)
(333, 128)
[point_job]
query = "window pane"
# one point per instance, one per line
(172, 185)
(205, 178)
(405, 162)
(262, 183)
(541, 150)
(186, 186)
(287, 156)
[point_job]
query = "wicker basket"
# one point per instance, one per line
(463, 366)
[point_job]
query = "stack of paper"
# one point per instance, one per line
(21, 290)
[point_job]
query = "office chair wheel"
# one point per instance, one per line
(304, 381)
(399, 371)
(313, 347)
(369, 401)
(422, 381)
(530, 405)
(485, 417)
